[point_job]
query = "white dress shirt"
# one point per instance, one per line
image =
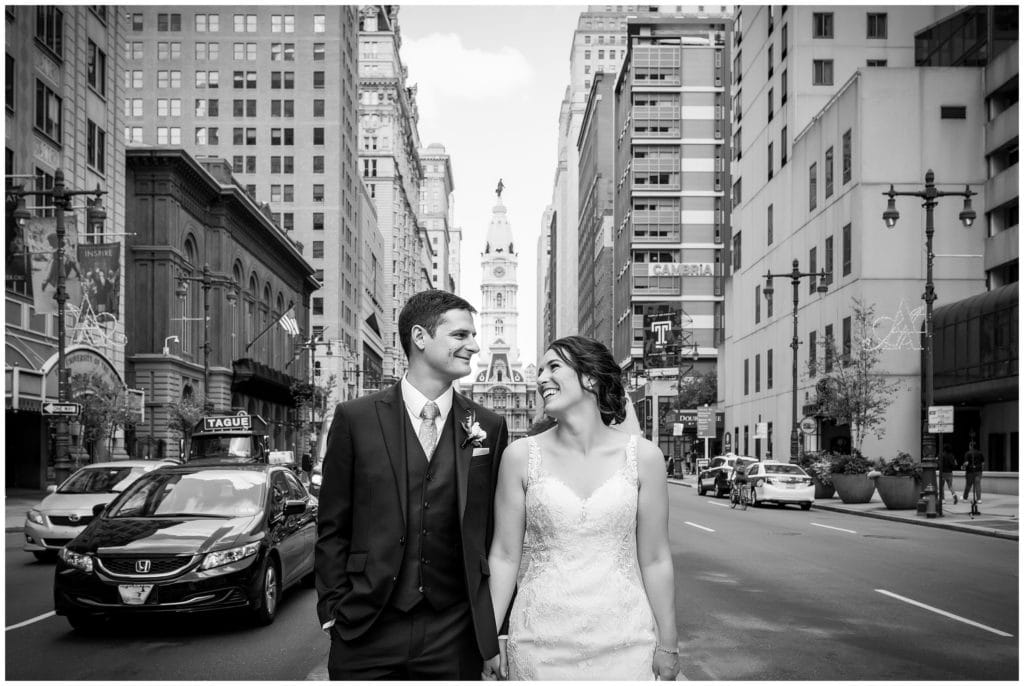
(414, 402)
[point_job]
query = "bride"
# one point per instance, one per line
(581, 535)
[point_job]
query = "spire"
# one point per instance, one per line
(499, 233)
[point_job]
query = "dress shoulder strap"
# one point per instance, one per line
(631, 460)
(533, 465)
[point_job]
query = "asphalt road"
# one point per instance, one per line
(762, 594)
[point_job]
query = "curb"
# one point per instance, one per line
(950, 526)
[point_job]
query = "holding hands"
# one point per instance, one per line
(666, 664)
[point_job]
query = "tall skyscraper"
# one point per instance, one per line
(436, 204)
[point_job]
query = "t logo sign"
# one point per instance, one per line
(661, 329)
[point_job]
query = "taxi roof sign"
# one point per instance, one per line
(240, 423)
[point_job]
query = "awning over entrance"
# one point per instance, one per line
(260, 381)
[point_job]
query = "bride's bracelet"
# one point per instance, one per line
(666, 650)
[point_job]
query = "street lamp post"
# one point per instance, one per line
(59, 196)
(794, 276)
(207, 281)
(930, 194)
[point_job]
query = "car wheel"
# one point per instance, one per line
(83, 622)
(45, 555)
(805, 506)
(700, 487)
(719, 491)
(268, 594)
(753, 498)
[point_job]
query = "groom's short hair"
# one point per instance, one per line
(426, 309)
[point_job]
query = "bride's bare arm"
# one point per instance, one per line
(509, 526)
(654, 554)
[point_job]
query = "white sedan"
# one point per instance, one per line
(780, 483)
(68, 508)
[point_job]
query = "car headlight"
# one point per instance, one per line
(76, 560)
(36, 517)
(226, 557)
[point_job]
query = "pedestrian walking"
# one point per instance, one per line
(973, 461)
(946, 467)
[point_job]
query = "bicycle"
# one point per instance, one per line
(739, 495)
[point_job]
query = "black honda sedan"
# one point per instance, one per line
(191, 538)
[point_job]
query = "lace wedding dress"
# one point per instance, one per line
(581, 612)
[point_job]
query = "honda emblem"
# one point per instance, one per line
(142, 566)
(74, 517)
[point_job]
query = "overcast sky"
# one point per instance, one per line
(491, 80)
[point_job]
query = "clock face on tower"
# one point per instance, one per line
(499, 271)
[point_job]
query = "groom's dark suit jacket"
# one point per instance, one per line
(365, 510)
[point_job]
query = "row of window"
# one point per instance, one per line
(847, 257)
(241, 23)
(828, 357)
(171, 78)
(812, 172)
(208, 51)
(210, 135)
(210, 107)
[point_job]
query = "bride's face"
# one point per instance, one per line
(559, 385)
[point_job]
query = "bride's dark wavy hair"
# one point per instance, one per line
(588, 357)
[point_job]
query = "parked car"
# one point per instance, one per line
(191, 538)
(717, 476)
(67, 509)
(780, 483)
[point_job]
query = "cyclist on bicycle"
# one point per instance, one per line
(739, 483)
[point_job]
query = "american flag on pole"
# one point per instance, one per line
(288, 323)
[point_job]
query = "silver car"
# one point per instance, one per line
(68, 508)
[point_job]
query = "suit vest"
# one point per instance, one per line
(432, 568)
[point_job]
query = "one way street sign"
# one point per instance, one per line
(62, 408)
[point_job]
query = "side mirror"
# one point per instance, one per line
(98, 509)
(307, 462)
(52, 488)
(294, 507)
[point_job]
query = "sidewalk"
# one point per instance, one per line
(999, 513)
(17, 502)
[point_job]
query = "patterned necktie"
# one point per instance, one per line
(428, 429)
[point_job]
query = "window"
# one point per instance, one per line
(812, 353)
(769, 361)
(828, 172)
(168, 135)
(737, 192)
(243, 108)
(771, 106)
(784, 42)
(757, 373)
(245, 23)
(96, 147)
(50, 28)
(318, 249)
(847, 156)
(783, 86)
(49, 112)
(771, 61)
(282, 23)
(134, 50)
(878, 25)
(282, 79)
(318, 221)
(812, 185)
(282, 136)
(96, 73)
(319, 23)
(822, 72)
(207, 108)
(771, 223)
(319, 52)
(757, 304)
(207, 135)
(168, 78)
(737, 245)
(318, 164)
(318, 79)
(847, 340)
(822, 25)
(132, 106)
(207, 79)
(847, 249)
(829, 344)
(133, 134)
(812, 263)
(746, 377)
(207, 23)
(244, 79)
(136, 22)
(318, 139)
(770, 161)
(784, 147)
(953, 112)
(318, 303)
(282, 52)
(318, 192)
(243, 136)
(245, 52)
(878, 63)
(828, 260)
(207, 51)
(168, 22)
(168, 50)
(318, 108)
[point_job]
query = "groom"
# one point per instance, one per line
(406, 513)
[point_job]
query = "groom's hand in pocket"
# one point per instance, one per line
(491, 668)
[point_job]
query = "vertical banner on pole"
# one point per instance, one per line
(41, 235)
(17, 265)
(101, 284)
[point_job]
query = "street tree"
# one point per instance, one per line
(852, 390)
(698, 390)
(104, 411)
(184, 415)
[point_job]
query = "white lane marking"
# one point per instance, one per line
(31, 621)
(834, 528)
(944, 613)
(712, 502)
(698, 526)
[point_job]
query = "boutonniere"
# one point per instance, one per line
(474, 432)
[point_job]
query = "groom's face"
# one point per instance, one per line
(448, 352)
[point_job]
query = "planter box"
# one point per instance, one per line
(898, 492)
(823, 492)
(853, 488)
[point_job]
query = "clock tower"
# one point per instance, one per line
(500, 382)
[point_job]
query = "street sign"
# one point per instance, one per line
(705, 423)
(677, 429)
(940, 419)
(808, 425)
(71, 409)
(761, 431)
(727, 441)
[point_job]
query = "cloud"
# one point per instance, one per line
(440, 63)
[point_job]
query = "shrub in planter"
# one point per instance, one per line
(901, 465)
(850, 477)
(819, 467)
(850, 464)
(898, 482)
